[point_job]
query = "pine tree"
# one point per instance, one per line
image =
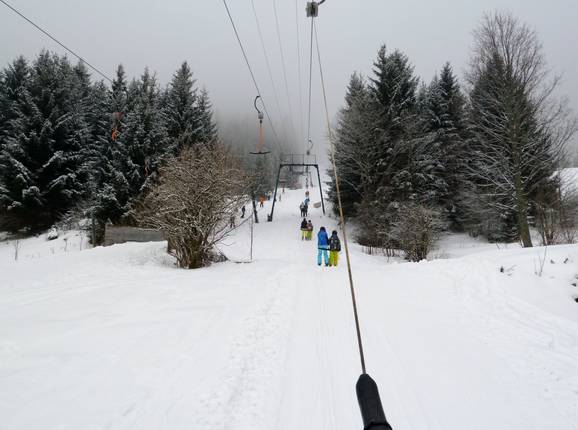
(17, 184)
(43, 145)
(144, 136)
(393, 91)
(67, 144)
(111, 193)
(443, 109)
(207, 132)
(353, 138)
(180, 112)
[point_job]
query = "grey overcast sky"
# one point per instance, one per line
(161, 34)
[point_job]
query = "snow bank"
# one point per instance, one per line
(41, 246)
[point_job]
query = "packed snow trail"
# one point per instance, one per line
(117, 338)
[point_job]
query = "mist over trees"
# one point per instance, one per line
(241, 136)
(68, 143)
(479, 157)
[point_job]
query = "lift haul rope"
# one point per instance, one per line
(284, 68)
(268, 64)
(250, 71)
(366, 388)
(299, 71)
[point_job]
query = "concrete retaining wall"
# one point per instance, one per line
(120, 234)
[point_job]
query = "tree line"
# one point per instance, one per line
(69, 144)
(480, 157)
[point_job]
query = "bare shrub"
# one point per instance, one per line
(192, 203)
(568, 215)
(416, 230)
(557, 211)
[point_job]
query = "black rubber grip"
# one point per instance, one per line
(370, 404)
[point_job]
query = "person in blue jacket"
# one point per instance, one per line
(322, 246)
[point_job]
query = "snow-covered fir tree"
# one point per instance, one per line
(41, 153)
(66, 143)
(208, 129)
(442, 107)
(144, 135)
(354, 139)
(110, 193)
(180, 110)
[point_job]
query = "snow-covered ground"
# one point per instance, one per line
(117, 338)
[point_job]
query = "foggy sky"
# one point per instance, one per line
(162, 34)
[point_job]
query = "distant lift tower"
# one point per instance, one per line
(296, 160)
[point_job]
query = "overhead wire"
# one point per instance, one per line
(57, 41)
(310, 82)
(251, 73)
(267, 62)
(299, 71)
(284, 68)
(340, 205)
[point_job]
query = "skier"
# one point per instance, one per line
(243, 212)
(309, 230)
(334, 249)
(261, 201)
(304, 208)
(322, 246)
(304, 229)
(232, 221)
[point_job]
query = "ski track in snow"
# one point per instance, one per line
(116, 338)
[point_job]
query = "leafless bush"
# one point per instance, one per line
(416, 230)
(197, 193)
(547, 224)
(569, 217)
(557, 211)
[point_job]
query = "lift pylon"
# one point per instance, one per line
(296, 160)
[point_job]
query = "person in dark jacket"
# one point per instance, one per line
(304, 229)
(309, 230)
(334, 249)
(322, 246)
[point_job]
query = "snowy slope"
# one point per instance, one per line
(116, 338)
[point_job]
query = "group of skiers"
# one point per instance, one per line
(328, 247)
(325, 244)
(306, 229)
